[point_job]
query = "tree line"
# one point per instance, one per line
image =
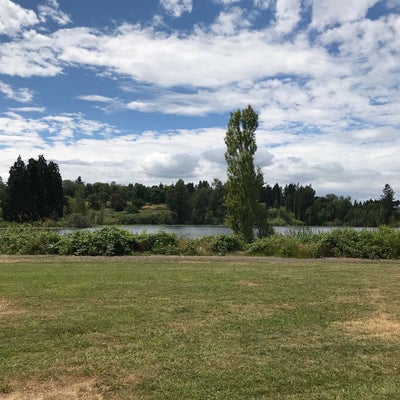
(35, 191)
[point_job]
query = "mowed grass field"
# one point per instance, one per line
(198, 328)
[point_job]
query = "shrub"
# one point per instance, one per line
(226, 243)
(112, 241)
(282, 246)
(157, 243)
(383, 243)
(109, 241)
(28, 240)
(78, 243)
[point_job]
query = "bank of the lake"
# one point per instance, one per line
(199, 231)
(381, 243)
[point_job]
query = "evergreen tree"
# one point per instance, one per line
(387, 200)
(178, 200)
(17, 197)
(243, 184)
(34, 191)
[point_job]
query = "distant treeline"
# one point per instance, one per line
(35, 192)
(203, 203)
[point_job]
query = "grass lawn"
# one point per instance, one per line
(198, 328)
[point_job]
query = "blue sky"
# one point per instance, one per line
(141, 91)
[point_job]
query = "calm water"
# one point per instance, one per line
(197, 231)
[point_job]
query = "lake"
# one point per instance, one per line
(197, 231)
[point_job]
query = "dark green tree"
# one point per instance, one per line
(387, 201)
(17, 197)
(34, 191)
(178, 201)
(2, 191)
(303, 201)
(201, 200)
(243, 184)
(217, 202)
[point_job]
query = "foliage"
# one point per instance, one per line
(157, 243)
(109, 241)
(78, 220)
(227, 243)
(244, 182)
(381, 244)
(282, 246)
(33, 192)
(23, 239)
(264, 229)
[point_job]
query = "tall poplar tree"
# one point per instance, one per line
(243, 184)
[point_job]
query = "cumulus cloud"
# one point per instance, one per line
(287, 15)
(169, 166)
(51, 11)
(229, 22)
(177, 7)
(13, 18)
(327, 12)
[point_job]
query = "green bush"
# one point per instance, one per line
(78, 243)
(28, 240)
(112, 241)
(227, 243)
(383, 243)
(109, 241)
(282, 246)
(157, 243)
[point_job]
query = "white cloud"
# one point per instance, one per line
(263, 4)
(177, 7)
(33, 55)
(96, 98)
(22, 95)
(287, 15)
(51, 11)
(13, 18)
(327, 12)
(27, 109)
(169, 166)
(229, 22)
(227, 2)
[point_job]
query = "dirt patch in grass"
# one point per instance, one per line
(379, 324)
(382, 327)
(8, 308)
(66, 389)
(249, 283)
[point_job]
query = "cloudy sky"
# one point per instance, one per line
(141, 90)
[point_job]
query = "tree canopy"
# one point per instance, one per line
(244, 181)
(34, 191)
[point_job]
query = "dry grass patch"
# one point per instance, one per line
(381, 326)
(8, 308)
(65, 389)
(249, 283)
